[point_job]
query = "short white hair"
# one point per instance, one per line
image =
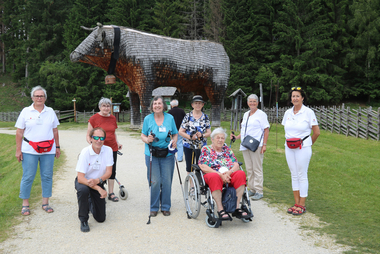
(38, 88)
(174, 103)
(218, 131)
(253, 96)
(104, 101)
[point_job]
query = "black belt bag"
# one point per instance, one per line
(159, 152)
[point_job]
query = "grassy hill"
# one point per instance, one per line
(12, 97)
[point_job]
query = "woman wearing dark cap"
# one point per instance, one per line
(195, 129)
(298, 122)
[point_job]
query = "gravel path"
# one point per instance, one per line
(125, 229)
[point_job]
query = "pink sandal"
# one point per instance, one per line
(299, 212)
(291, 209)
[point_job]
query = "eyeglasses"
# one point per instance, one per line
(296, 88)
(39, 96)
(106, 106)
(97, 138)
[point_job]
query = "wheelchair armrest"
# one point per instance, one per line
(196, 167)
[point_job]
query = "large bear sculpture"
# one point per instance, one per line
(145, 61)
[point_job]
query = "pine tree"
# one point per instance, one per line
(365, 56)
(167, 19)
(131, 13)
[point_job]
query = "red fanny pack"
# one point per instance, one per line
(294, 143)
(42, 146)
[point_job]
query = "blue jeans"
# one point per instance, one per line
(161, 184)
(180, 148)
(29, 167)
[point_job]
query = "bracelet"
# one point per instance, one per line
(264, 144)
(58, 147)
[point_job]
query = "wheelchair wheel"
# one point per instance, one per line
(192, 195)
(123, 193)
(212, 214)
(246, 206)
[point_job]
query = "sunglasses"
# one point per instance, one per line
(97, 138)
(296, 88)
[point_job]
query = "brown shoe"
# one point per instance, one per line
(166, 213)
(153, 213)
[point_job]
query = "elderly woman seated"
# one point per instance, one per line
(220, 166)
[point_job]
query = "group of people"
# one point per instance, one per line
(37, 140)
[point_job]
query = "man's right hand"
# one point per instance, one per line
(102, 192)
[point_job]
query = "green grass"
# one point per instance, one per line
(344, 185)
(11, 97)
(10, 177)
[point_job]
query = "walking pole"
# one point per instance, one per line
(179, 176)
(150, 179)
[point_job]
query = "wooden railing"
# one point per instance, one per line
(360, 123)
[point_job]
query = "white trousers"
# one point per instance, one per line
(254, 166)
(298, 163)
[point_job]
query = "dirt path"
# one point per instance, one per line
(125, 229)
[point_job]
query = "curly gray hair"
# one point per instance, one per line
(105, 101)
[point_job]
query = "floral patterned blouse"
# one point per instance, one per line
(192, 125)
(216, 160)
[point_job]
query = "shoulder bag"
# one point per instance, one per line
(250, 142)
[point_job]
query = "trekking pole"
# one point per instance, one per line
(150, 172)
(150, 180)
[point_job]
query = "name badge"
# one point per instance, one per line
(96, 166)
(196, 124)
(162, 129)
(39, 121)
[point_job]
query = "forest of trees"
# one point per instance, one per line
(329, 47)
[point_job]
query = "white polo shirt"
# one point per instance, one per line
(37, 127)
(94, 165)
(257, 123)
(299, 125)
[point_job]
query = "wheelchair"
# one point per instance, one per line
(195, 187)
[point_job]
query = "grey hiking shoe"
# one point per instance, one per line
(251, 193)
(257, 196)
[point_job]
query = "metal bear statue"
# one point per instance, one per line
(145, 61)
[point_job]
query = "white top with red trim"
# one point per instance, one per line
(37, 127)
(94, 165)
(299, 125)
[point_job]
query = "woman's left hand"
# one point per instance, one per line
(119, 146)
(263, 149)
(57, 152)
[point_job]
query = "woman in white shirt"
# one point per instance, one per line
(298, 122)
(255, 123)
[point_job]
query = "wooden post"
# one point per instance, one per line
(378, 124)
(75, 111)
(358, 121)
(369, 121)
(348, 121)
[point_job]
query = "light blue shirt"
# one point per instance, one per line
(161, 132)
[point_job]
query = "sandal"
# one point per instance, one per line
(47, 208)
(239, 214)
(114, 199)
(299, 212)
(223, 215)
(25, 210)
(291, 209)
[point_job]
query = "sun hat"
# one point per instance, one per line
(197, 98)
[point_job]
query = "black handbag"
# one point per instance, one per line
(250, 142)
(159, 152)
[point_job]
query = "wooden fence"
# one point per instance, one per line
(360, 123)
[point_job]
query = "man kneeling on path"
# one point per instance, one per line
(94, 167)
